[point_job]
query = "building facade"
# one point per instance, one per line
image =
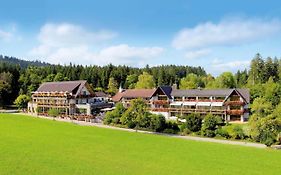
(230, 104)
(69, 97)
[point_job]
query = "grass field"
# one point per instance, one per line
(39, 146)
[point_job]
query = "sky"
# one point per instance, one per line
(217, 35)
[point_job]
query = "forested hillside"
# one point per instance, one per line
(20, 62)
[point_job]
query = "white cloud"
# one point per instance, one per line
(65, 34)
(64, 43)
(226, 32)
(197, 53)
(118, 55)
(125, 54)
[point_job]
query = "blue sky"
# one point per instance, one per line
(217, 35)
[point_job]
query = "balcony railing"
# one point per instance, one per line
(234, 103)
(160, 102)
(235, 112)
(160, 109)
(203, 100)
(52, 104)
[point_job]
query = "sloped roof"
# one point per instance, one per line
(100, 94)
(117, 97)
(133, 93)
(65, 86)
(210, 92)
(166, 90)
(245, 93)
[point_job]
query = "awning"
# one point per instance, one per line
(203, 103)
(189, 103)
(176, 104)
(217, 104)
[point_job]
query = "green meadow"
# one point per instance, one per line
(38, 146)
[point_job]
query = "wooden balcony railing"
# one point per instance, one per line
(51, 94)
(235, 112)
(160, 109)
(52, 104)
(160, 102)
(174, 109)
(234, 103)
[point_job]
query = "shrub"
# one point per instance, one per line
(157, 123)
(53, 112)
(115, 115)
(108, 118)
(234, 131)
(183, 127)
(266, 130)
(209, 133)
(171, 127)
(186, 131)
(210, 124)
(144, 121)
(222, 132)
(237, 132)
(193, 122)
(131, 124)
(21, 101)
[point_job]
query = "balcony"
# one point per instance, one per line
(203, 100)
(85, 96)
(160, 102)
(160, 109)
(174, 109)
(235, 112)
(52, 104)
(51, 94)
(234, 103)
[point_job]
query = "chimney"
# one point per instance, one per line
(120, 88)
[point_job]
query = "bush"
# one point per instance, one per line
(237, 132)
(171, 127)
(53, 112)
(186, 131)
(209, 133)
(183, 127)
(131, 124)
(115, 115)
(193, 122)
(266, 130)
(144, 120)
(222, 132)
(108, 118)
(231, 131)
(210, 124)
(157, 123)
(22, 101)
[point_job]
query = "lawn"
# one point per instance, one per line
(38, 146)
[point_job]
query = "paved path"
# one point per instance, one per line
(204, 139)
